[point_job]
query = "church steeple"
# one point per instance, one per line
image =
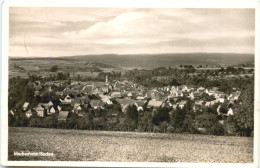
(106, 79)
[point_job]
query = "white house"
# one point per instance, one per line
(154, 103)
(40, 111)
(25, 106)
(28, 113)
(59, 108)
(230, 112)
(68, 99)
(140, 98)
(221, 98)
(50, 103)
(182, 104)
(77, 109)
(52, 110)
(139, 105)
(106, 99)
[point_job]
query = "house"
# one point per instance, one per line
(207, 91)
(167, 89)
(77, 100)
(28, 113)
(221, 98)
(87, 89)
(179, 92)
(182, 104)
(106, 99)
(161, 97)
(213, 102)
(139, 105)
(46, 107)
(168, 104)
(81, 99)
(174, 106)
(221, 122)
(116, 94)
(25, 106)
(50, 103)
(230, 112)
(186, 93)
(179, 88)
(211, 91)
(96, 103)
(109, 102)
(150, 94)
(40, 111)
(173, 95)
(234, 96)
(63, 115)
(154, 104)
(207, 104)
(201, 89)
(125, 103)
(176, 93)
(184, 88)
(129, 94)
(52, 110)
(70, 92)
(194, 95)
(58, 108)
(173, 88)
(67, 99)
(104, 89)
(199, 102)
(77, 109)
(197, 105)
(201, 129)
(214, 89)
(140, 98)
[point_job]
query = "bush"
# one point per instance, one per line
(54, 68)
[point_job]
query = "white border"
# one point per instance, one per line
(4, 82)
(257, 82)
(123, 4)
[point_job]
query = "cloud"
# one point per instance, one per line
(67, 31)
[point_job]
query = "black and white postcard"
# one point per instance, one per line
(165, 84)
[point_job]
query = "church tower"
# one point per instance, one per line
(106, 79)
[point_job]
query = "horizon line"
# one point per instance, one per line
(128, 54)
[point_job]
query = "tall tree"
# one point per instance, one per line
(132, 114)
(244, 111)
(177, 117)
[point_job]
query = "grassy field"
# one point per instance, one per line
(74, 145)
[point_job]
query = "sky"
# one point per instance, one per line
(52, 31)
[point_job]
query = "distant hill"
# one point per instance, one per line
(98, 65)
(168, 60)
(149, 61)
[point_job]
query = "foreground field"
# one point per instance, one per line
(73, 145)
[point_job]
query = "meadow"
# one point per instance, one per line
(83, 145)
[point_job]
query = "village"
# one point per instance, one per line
(78, 97)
